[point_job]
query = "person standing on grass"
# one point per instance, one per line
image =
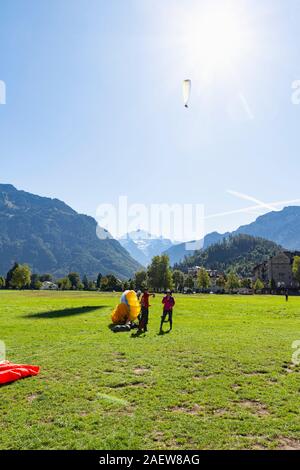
(143, 324)
(287, 295)
(168, 302)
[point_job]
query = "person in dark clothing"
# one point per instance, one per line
(144, 318)
(168, 302)
(286, 295)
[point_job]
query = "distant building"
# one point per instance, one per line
(278, 268)
(213, 274)
(194, 271)
(47, 285)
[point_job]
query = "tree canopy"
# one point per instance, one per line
(160, 274)
(240, 253)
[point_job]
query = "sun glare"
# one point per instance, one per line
(216, 39)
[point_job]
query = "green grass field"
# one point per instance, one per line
(222, 379)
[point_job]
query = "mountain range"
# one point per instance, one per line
(142, 245)
(238, 253)
(281, 227)
(53, 238)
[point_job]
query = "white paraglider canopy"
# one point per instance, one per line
(187, 85)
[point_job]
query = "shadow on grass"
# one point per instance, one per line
(7, 384)
(119, 328)
(66, 312)
(138, 334)
(162, 333)
(112, 327)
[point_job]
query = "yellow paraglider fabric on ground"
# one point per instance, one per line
(128, 309)
(120, 315)
(134, 305)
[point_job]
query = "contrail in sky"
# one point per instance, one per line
(271, 206)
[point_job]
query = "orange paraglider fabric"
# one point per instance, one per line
(134, 305)
(10, 372)
(128, 310)
(120, 314)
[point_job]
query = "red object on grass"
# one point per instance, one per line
(10, 372)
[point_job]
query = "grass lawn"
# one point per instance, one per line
(222, 379)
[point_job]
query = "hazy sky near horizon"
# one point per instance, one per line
(94, 104)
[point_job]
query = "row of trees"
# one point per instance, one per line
(20, 277)
(159, 276)
(229, 282)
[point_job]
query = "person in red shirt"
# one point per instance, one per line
(168, 303)
(143, 324)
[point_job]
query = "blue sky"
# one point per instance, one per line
(94, 104)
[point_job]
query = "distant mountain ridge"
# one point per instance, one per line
(52, 237)
(178, 252)
(142, 245)
(281, 227)
(238, 253)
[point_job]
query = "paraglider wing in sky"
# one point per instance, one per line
(187, 86)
